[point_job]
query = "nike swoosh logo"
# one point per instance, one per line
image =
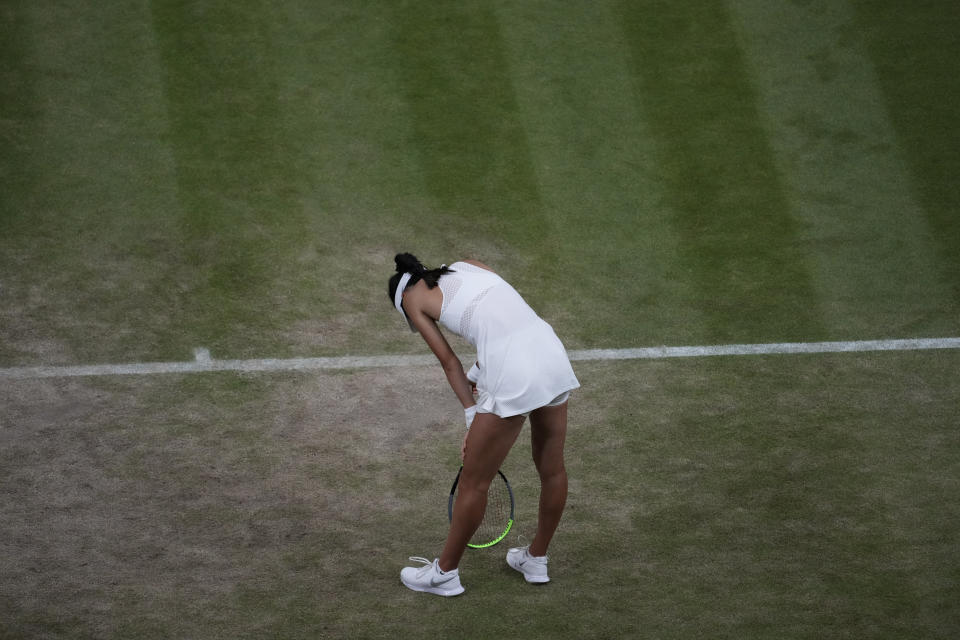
(445, 579)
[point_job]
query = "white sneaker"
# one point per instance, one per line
(533, 568)
(430, 579)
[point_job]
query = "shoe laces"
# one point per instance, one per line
(422, 570)
(523, 546)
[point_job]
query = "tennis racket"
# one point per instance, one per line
(497, 520)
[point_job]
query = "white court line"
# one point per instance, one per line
(203, 362)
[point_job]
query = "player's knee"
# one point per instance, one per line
(552, 471)
(477, 484)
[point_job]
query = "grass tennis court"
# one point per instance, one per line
(237, 176)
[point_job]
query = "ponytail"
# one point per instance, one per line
(408, 263)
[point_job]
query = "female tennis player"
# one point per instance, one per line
(522, 368)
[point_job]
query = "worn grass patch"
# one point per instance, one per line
(791, 496)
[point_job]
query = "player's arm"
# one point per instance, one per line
(452, 367)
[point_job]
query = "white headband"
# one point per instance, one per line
(398, 296)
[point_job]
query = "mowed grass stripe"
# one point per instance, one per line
(921, 88)
(19, 110)
(85, 244)
(472, 149)
(738, 243)
(595, 167)
(848, 186)
(234, 141)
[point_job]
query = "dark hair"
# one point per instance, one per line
(408, 263)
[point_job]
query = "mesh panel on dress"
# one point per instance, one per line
(449, 285)
(468, 312)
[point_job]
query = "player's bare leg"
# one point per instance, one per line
(488, 444)
(548, 431)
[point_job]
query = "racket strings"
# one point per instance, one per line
(496, 516)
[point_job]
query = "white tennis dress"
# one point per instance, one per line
(523, 365)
